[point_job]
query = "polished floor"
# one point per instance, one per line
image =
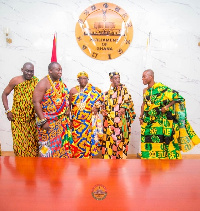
(130, 156)
(71, 184)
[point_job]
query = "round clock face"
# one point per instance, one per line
(104, 31)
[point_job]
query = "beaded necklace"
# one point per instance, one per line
(82, 104)
(149, 101)
(57, 93)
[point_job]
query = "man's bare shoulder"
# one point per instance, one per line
(44, 80)
(73, 91)
(16, 80)
(43, 83)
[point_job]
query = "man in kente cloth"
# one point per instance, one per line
(85, 102)
(118, 116)
(165, 130)
(50, 99)
(22, 114)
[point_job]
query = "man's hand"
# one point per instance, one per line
(10, 116)
(164, 109)
(141, 121)
(46, 127)
(67, 112)
(121, 111)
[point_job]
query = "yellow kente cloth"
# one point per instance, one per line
(164, 135)
(24, 132)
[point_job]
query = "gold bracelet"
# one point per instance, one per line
(166, 109)
(41, 122)
(7, 111)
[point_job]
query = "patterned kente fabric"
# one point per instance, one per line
(57, 142)
(86, 127)
(164, 135)
(117, 130)
(24, 131)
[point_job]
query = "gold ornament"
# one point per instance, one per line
(82, 104)
(150, 97)
(58, 93)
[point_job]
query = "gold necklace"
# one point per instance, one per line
(82, 104)
(58, 93)
(150, 96)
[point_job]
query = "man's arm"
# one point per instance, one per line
(142, 109)
(5, 94)
(38, 95)
(142, 113)
(71, 93)
(166, 108)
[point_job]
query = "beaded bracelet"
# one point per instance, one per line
(7, 111)
(41, 122)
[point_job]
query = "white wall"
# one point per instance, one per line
(174, 54)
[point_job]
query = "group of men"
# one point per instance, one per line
(48, 120)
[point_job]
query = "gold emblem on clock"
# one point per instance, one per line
(104, 31)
